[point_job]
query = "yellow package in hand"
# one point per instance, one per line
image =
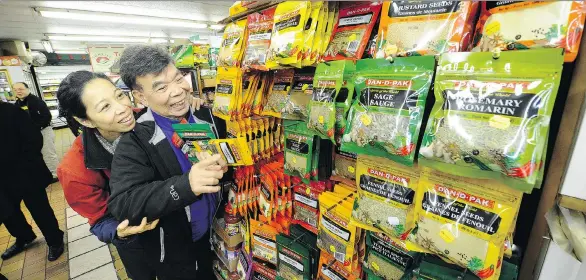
(234, 151)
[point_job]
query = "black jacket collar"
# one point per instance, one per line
(95, 156)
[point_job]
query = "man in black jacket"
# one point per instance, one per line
(152, 177)
(41, 116)
(25, 176)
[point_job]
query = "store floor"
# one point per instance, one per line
(85, 256)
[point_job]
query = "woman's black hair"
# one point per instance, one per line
(69, 96)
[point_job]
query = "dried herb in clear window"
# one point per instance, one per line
(491, 116)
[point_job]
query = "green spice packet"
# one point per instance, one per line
(195, 138)
(328, 80)
(293, 259)
(386, 259)
(343, 103)
(386, 116)
(299, 154)
(297, 104)
(491, 116)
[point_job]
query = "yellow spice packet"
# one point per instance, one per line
(232, 47)
(228, 88)
(464, 220)
(288, 37)
(234, 151)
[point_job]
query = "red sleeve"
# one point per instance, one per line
(88, 200)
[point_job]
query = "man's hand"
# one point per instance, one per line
(205, 175)
(203, 155)
(123, 230)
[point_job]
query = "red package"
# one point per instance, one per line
(352, 31)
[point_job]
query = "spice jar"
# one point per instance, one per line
(232, 221)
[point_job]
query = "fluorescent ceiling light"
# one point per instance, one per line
(119, 18)
(113, 39)
(216, 26)
(47, 46)
(70, 52)
(105, 31)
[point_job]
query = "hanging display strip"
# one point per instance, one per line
(344, 170)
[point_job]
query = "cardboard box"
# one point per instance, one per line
(219, 227)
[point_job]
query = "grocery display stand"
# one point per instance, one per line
(566, 116)
(557, 167)
(49, 95)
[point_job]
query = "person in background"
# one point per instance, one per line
(92, 103)
(24, 178)
(152, 177)
(41, 116)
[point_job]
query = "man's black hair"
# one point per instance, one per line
(23, 83)
(141, 60)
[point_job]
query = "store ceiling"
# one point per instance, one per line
(19, 21)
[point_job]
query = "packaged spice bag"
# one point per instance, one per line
(294, 259)
(344, 167)
(518, 25)
(300, 95)
(232, 44)
(195, 138)
(352, 31)
(465, 220)
(386, 193)
(343, 102)
(336, 235)
(386, 116)
(244, 267)
(330, 269)
(234, 151)
(298, 153)
(228, 88)
(305, 205)
(492, 122)
(260, 27)
(279, 93)
(261, 92)
(288, 36)
(262, 271)
(264, 238)
(388, 259)
(333, 10)
(413, 28)
(328, 80)
(311, 32)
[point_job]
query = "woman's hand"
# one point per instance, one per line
(124, 230)
(197, 103)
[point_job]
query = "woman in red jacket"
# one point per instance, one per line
(104, 113)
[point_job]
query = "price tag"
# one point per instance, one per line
(320, 119)
(499, 122)
(365, 119)
(351, 169)
(375, 266)
(447, 235)
(492, 28)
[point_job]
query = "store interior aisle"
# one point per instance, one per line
(85, 257)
